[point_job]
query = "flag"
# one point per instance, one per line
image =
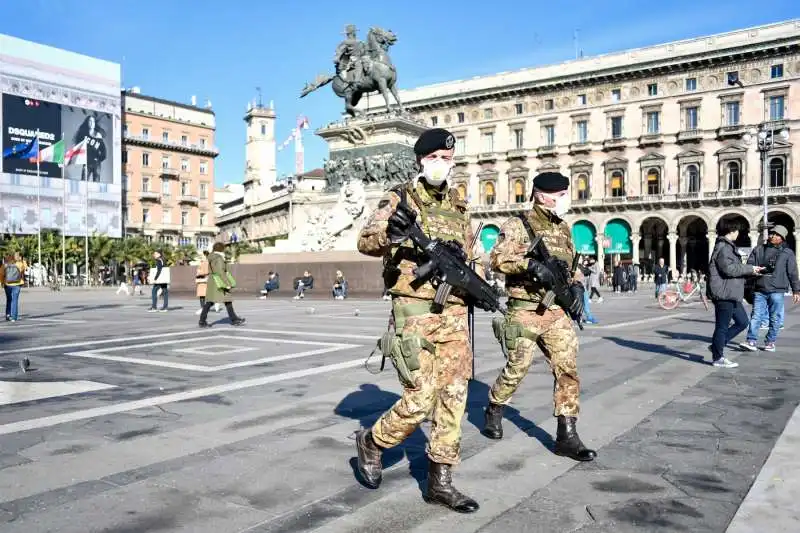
(77, 154)
(23, 150)
(52, 154)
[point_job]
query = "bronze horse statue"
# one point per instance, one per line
(380, 75)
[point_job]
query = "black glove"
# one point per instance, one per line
(576, 309)
(541, 273)
(457, 249)
(399, 226)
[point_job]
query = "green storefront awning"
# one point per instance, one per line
(619, 235)
(489, 237)
(583, 234)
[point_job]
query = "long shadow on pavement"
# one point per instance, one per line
(658, 348)
(478, 399)
(367, 405)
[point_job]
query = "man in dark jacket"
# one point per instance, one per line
(725, 288)
(660, 276)
(780, 273)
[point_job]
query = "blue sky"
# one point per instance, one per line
(223, 50)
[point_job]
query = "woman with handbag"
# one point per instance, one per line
(219, 287)
(201, 279)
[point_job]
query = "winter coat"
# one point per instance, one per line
(217, 265)
(726, 272)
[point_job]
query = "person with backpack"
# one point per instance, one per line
(12, 276)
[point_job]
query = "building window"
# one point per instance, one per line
(165, 136)
(202, 243)
(548, 104)
(653, 181)
(487, 145)
(691, 84)
(145, 133)
(185, 188)
(126, 216)
(581, 99)
(203, 220)
(777, 172)
(582, 130)
(203, 142)
(145, 159)
(691, 118)
(184, 140)
(519, 191)
(653, 126)
(145, 215)
(462, 191)
(549, 135)
(263, 130)
(616, 127)
(203, 191)
(734, 173)
(461, 146)
(184, 218)
(185, 165)
(165, 187)
(776, 107)
(460, 117)
(519, 139)
(434, 121)
(776, 71)
(617, 184)
(124, 156)
(652, 89)
(164, 161)
(616, 95)
(124, 130)
(582, 187)
(488, 113)
(166, 216)
(145, 184)
(47, 217)
(518, 109)
(124, 182)
(203, 167)
(488, 193)
(692, 178)
(731, 113)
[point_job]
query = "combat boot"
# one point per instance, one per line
(441, 490)
(369, 459)
(568, 443)
(493, 421)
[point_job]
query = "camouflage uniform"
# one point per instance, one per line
(439, 388)
(552, 331)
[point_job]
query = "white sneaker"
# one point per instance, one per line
(748, 345)
(725, 363)
(217, 308)
(296, 298)
(199, 311)
(600, 300)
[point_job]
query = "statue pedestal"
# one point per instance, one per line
(376, 135)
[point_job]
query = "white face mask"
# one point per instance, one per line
(436, 171)
(562, 206)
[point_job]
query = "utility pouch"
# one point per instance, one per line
(405, 350)
(513, 332)
(499, 328)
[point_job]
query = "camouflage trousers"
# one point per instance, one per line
(439, 393)
(558, 341)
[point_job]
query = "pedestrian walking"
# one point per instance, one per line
(201, 280)
(525, 327)
(780, 274)
(12, 277)
(220, 285)
(160, 281)
(660, 277)
(725, 288)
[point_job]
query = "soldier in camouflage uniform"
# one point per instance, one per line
(431, 350)
(524, 328)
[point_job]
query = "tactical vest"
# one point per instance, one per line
(558, 240)
(446, 220)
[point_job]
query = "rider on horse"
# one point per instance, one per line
(352, 55)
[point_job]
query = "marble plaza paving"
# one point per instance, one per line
(135, 422)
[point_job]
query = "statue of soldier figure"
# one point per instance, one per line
(361, 67)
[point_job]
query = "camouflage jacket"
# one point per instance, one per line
(508, 254)
(442, 216)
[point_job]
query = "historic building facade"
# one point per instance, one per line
(654, 140)
(168, 157)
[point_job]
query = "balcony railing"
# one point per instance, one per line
(486, 157)
(150, 196)
(651, 139)
(690, 135)
(730, 131)
(578, 148)
(547, 150)
(170, 173)
(517, 153)
(146, 139)
(189, 199)
(614, 143)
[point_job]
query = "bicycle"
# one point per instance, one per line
(682, 292)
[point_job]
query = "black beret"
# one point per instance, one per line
(432, 140)
(551, 182)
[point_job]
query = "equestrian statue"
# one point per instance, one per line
(361, 68)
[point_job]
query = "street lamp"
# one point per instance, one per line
(764, 136)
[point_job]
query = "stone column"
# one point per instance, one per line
(684, 241)
(635, 238)
(648, 246)
(712, 240)
(754, 235)
(673, 259)
(600, 253)
(797, 245)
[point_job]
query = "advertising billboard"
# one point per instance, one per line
(77, 191)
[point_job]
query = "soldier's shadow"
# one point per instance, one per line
(477, 401)
(367, 405)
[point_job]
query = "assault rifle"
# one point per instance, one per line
(450, 270)
(559, 293)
